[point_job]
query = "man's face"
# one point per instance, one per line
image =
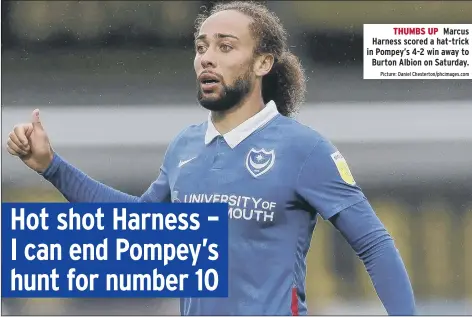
(224, 60)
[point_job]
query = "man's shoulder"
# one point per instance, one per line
(300, 135)
(191, 133)
(186, 140)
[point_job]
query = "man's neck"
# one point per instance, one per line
(226, 121)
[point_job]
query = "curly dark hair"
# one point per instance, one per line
(285, 84)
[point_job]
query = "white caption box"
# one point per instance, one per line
(417, 51)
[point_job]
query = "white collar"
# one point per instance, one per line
(245, 129)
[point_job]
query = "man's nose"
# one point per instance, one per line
(208, 59)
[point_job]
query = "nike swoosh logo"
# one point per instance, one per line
(182, 163)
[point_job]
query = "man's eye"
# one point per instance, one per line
(200, 48)
(225, 47)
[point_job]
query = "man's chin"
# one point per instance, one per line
(212, 95)
(208, 98)
(213, 103)
(209, 103)
(209, 95)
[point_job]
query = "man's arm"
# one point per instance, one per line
(364, 231)
(30, 142)
(76, 186)
(327, 185)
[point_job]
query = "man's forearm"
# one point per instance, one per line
(76, 186)
(375, 247)
(389, 277)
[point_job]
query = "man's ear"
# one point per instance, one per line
(263, 64)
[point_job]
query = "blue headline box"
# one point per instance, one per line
(114, 250)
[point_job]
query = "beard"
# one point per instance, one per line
(229, 97)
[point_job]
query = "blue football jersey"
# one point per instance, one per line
(276, 175)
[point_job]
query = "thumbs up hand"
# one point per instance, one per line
(30, 143)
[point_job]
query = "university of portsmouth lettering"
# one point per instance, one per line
(251, 214)
(240, 207)
(232, 200)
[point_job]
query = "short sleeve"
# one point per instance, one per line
(325, 181)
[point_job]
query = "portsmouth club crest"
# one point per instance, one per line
(259, 162)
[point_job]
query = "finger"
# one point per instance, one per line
(28, 129)
(36, 120)
(15, 148)
(17, 141)
(20, 131)
(9, 149)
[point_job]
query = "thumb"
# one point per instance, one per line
(36, 120)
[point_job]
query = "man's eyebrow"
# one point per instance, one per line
(221, 35)
(217, 35)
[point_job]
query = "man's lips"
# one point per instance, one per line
(208, 81)
(208, 87)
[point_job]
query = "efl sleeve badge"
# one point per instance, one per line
(343, 168)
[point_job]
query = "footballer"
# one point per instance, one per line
(275, 174)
